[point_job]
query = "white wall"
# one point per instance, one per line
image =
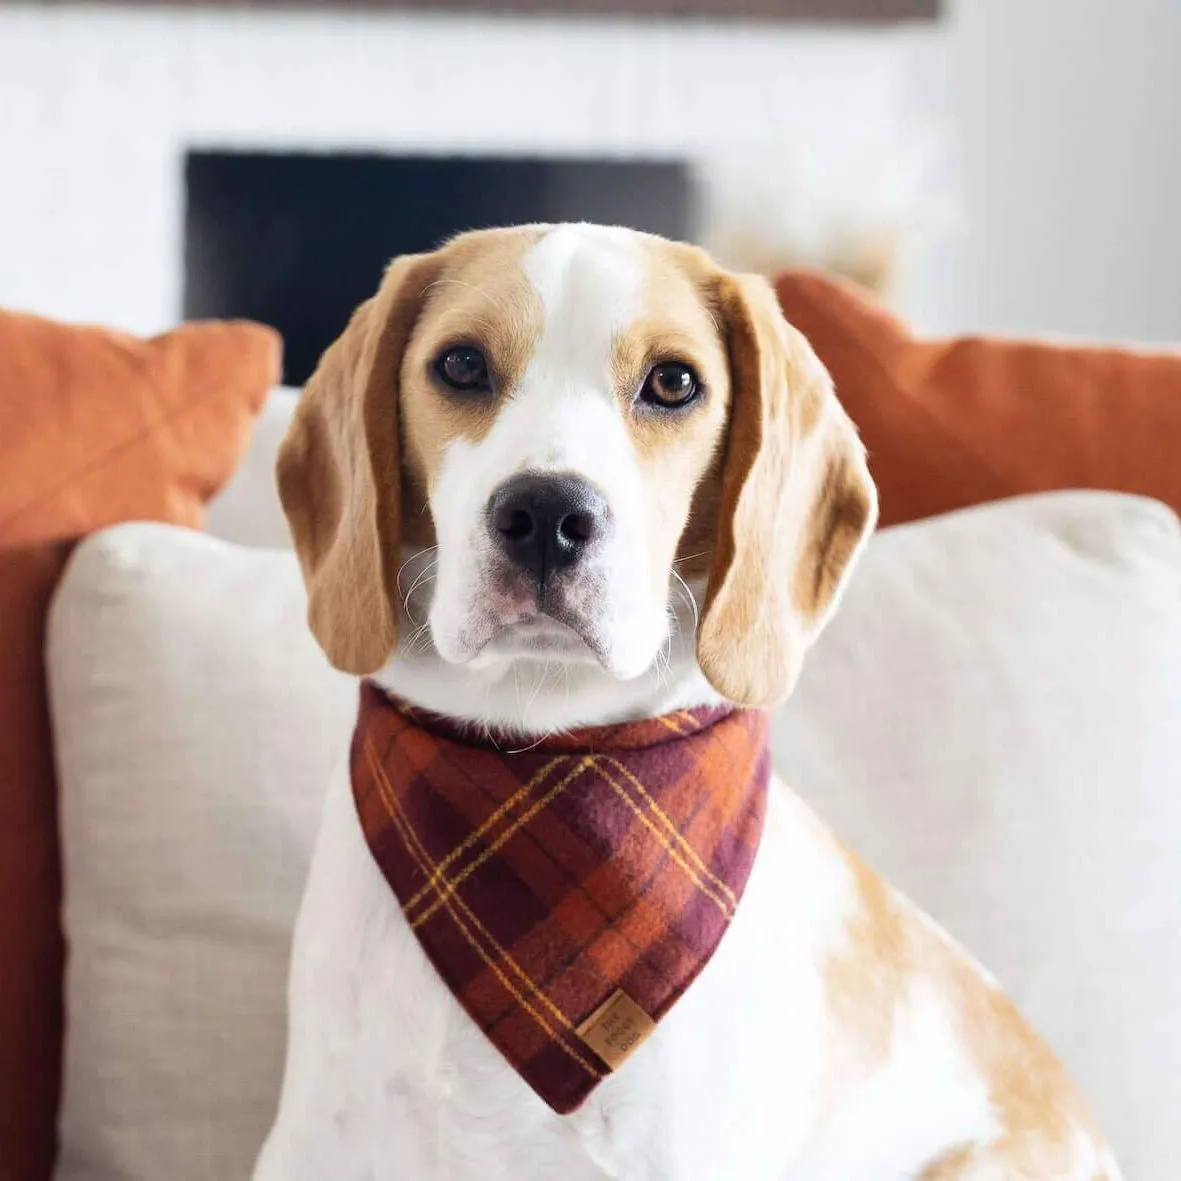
(1068, 115)
(1064, 116)
(98, 105)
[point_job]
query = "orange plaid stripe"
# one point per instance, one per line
(543, 882)
(681, 844)
(502, 959)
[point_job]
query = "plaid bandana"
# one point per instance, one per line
(569, 892)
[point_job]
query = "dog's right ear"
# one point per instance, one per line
(796, 504)
(339, 475)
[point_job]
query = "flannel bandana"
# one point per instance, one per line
(569, 892)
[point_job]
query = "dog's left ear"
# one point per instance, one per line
(339, 475)
(796, 504)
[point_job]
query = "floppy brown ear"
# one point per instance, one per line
(796, 504)
(339, 474)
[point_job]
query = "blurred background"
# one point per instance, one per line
(993, 719)
(986, 165)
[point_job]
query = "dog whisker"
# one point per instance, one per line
(426, 577)
(520, 750)
(422, 553)
(419, 639)
(688, 595)
(536, 689)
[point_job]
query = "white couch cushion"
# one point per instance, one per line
(994, 720)
(196, 724)
(247, 510)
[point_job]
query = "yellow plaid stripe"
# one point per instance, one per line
(673, 831)
(445, 888)
(689, 724)
(422, 859)
(719, 900)
(478, 834)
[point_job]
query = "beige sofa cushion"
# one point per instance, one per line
(197, 724)
(247, 510)
(994, 718)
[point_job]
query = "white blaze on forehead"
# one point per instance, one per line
(588, 280)
(564, 415)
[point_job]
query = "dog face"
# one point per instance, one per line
(558, 411)
(567, 421)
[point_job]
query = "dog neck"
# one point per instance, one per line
(538, 697)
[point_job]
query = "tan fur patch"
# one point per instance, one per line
(676, 449)
(482, 298)
(950, 1166)
(810, 383)
(840, 513)
(889, 948)
(1032, 1095)
(866, 982)
(682, 281)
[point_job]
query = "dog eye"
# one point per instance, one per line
(670, 384)
(463, 368)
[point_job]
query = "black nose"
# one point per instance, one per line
(545, 523)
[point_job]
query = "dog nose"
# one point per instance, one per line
(545, 523)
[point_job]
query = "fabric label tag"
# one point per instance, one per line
(616, 1028)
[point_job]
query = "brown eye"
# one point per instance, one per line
(463, 368)
(670, 384)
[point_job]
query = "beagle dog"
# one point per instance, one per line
(685, 501)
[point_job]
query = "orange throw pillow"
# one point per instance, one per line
(954, 422)
(96, 427)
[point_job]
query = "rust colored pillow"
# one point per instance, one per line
(96, 427)
(954, 422)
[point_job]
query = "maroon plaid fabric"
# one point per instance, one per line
(569, 892)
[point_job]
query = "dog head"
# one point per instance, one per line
(556, 430)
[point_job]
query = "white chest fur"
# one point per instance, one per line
(389, 1080)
